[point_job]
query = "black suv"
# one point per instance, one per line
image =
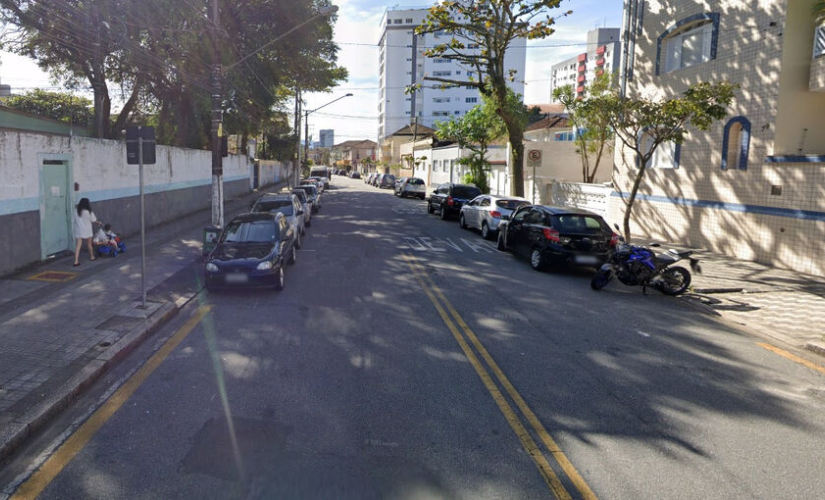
(448, 198)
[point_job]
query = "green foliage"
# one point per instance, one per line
(643, 124)
(819, 11)
(61, 106)
(594, 134)
(490, 25)
(158, 53)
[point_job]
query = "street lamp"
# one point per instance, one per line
(306, 126)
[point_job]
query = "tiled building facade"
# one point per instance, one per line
(753, 185)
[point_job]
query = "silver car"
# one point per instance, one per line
(287, 204)
(306, 205)
(411, 186)
(484, 212)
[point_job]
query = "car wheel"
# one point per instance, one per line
(422, 197)
(462, 222)
(293, 256)
(279, 280)
(537, 260)
(443, 213)
(308, 223)
(430, 208)
(485, 231)
(502, 247)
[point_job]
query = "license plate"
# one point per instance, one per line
(586, 259)
(237, 278)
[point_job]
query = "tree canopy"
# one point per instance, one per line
(62, 106)
(481, 32)
(157, 55)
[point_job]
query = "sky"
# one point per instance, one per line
(357, 33)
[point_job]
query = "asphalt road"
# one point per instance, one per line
(409, 359)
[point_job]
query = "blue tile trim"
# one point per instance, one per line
(796, 159)
(708, 16)
(18, 205)
(744, 143)
(790, 213)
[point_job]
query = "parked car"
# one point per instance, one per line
(448, 198)
(323, 180)
(252, 251)
(354, 175)
(312, 182)
(484, 213)
(368, 178)
(375, 179)
(387, 181)
(550, 235)
(411, 186)
(306, 205)
(320, 172)
(313, 195)
(287, 204)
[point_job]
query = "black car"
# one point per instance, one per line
(448, 198)
(252, 251)
(355, 175)
(556, 236)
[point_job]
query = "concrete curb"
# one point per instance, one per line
(36, 417)
(816, 347)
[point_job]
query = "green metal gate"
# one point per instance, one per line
(55, 207)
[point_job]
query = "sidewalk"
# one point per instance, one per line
(779, 303)
(62, 326)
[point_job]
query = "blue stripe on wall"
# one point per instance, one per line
(731, 207)
(19, 205)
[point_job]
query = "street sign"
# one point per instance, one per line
(135, 135)
(534, 155)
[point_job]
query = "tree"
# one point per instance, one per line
(474, 131)
(593, 133)
(62, 106)
(482, 31)
(642, 124)
(819, 11)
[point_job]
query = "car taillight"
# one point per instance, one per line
(551, 234)
(450, 200)
(495, 214)
(614, 239)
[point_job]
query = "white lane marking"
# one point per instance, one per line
(475, 247)
(643, 334)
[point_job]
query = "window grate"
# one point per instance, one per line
(819, 41)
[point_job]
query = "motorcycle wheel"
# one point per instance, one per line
(600, 279)
(675, 281)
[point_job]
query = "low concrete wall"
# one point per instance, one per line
(19, 240)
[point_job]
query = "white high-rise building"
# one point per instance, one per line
(400, 49)
(600, 56)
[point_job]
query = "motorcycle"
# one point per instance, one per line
(642, 266)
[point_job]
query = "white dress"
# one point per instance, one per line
(83, 223)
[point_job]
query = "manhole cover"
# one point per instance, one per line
(54, 276)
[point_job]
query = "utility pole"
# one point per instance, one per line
(297, 173)
(414, 77)
(306, 137)
(217, 118)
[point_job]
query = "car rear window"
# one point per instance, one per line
(258, 231)
(467, 192)
(416, 182)
(580, 224)
(389, 178)
(283, 206)
(309, 190)
(511, 204)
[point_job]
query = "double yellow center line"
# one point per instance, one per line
(456, 324)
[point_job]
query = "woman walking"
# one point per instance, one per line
(83, 220)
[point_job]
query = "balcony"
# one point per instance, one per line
(582, 68)
(582, 57)
(600, 61)
(580, 79)
(601, 50)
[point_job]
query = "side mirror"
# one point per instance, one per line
(300, 212)
(616, 226)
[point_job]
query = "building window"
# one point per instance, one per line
(819, 41)
(471, 99)
(457, 112)
(667, 154)
(397, 21)
(736, 143)
(409, 20)
(441, 60)
(689, 42)
(442, 73)
(441, 99)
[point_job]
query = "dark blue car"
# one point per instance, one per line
(252, 251)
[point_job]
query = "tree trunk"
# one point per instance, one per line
(592, 173)
(102, 108)
(629, 204)
(123, 117)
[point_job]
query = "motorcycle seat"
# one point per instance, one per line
(681, 253)
(666, 258)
